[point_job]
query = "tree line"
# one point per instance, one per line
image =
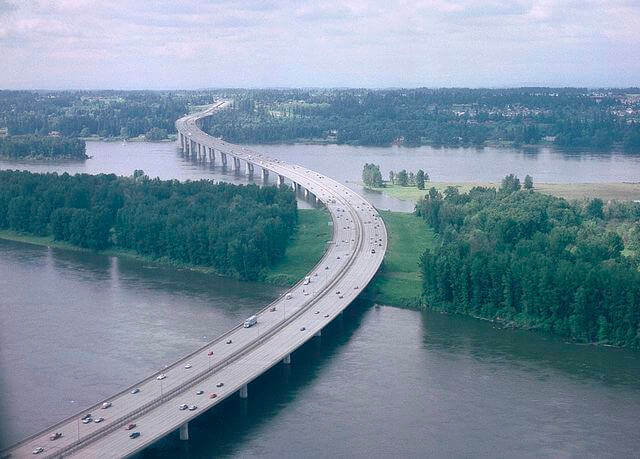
(236, 229)
(37, 147)
(567, 117)
(535, 261)
(404, 178)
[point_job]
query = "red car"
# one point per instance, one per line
(213, 396)
(210, 353)
(130, 426)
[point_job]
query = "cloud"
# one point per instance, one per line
(197, 43)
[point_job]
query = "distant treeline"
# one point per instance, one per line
(238, 230)
(570, 117)
(101, 113)
(537, 261)
(452, 117)
(32, 146)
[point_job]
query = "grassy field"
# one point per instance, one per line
(398, 282)
(604, 191)
(305, 250)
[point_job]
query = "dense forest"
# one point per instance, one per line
(100, 113)
(537, 261)
(37, 147)
(567, 117)
(238, 230)
(452, 117)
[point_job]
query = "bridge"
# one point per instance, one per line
(227, 365)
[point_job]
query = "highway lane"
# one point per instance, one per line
(346, 267)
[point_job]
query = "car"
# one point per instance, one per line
(200, 392)
(326, 315)
(130, 426)
(317, 312)
(220, 384)
(326, 267)
(98, 420)
(88, 415)
(341, 296)
(134, 434)
(135, 391)
(55, 436)
(213, 395)
(356, 287)
(373, 250)
(303, 328)
(38, 450)
(273, 309)
(106, 405)
(338, 292)
(193, 408)
(229, 341)
(338, 257)
(87, 421)
(210, 353)
(161, 376)
(187, 366)
(183, 407)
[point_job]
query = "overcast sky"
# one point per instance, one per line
(156, 44)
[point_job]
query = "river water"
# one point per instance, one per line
(381, 382)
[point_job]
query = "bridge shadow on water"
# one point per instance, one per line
(221, 430)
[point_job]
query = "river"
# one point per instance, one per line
(382, 382)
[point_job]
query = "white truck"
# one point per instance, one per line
(307, 280)
(251, 321)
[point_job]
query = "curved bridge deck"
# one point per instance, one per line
(242, 354)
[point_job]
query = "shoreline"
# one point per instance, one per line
(612, 191)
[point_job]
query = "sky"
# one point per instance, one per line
(190, 44)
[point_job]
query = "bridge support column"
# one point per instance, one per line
(236, 163)
(287, 359)
(318, 333)
(265, 175)
(306, 193)
(244, 391)
(212, 155)
(223, 158)
(250, 169)
(184, 431)
(280, 180)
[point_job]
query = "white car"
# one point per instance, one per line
(38, 450)
(106, 405)
(183, 407)
(87, 421)
(161, 376)
(98, 420)
(135, 391)
(187, 366)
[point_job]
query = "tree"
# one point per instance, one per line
(371, 176)
(402, 178)
(594, 208)
(528, 182)
(420, 179)
(510, 184)
(391, 177)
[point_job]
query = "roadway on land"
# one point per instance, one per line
(240, 355)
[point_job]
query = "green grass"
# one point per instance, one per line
(398, 282)
(604, 191)
(305, 250)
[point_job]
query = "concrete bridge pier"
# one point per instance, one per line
(190, 153)
(244, 391)
(280, 180)
(265, 175)
(212, 155)
(249, 168)
(306, 193)
(287, 359)
(184, 431)
(236, 164)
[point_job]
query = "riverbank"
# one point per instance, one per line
(396, 284)
(606, 191)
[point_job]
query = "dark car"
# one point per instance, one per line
(131, 426)
(134, 434)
